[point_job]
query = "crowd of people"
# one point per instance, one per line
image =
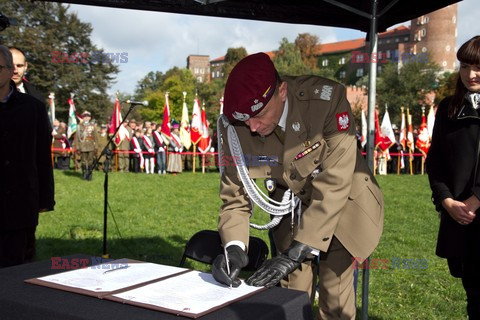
(144, 149)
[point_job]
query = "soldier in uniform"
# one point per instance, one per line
(102, 142)
(298, 133)
(60, 146)
(123, 149)
(87, 144)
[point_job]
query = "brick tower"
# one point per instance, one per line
(436, 33)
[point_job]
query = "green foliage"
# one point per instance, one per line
(288, 60)
(406, 87)
(156, 215)
(176, 81)
(233, 56)
(44, 28)
(307, 43)
(446, 86)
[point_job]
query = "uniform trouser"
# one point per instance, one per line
(87, 158)
(335, 276)
(123, 160)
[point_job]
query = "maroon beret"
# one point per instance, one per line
(249, 87)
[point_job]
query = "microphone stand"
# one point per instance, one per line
(108, 156)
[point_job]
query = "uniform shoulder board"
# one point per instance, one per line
(316, 88)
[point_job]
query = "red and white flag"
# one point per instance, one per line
(381, 141)
(423, 139)
(166, 118)
(117, 121)
(185, 126)
(364, 129)
(387, 129)
(403, 132)
(195, 130)
(205, 141)
(410, 142)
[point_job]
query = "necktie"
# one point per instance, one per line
(280, 134)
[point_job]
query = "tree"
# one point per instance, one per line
(406, 87)
(151, 82)
(233, 56)
(307, 43)
(61, 56)
(288, 60)
(446, 86)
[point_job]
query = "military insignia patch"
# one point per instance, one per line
(240, 116)
(296, 126)
(343, 121)
(326, 93)
(270, 185)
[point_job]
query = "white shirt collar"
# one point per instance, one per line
(282, 123)
(21, 88)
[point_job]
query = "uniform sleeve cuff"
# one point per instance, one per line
(236, 243)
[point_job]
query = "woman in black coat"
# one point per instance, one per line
(454, 175)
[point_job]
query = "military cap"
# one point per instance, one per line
(249, 87)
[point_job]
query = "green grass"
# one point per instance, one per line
(156, 215)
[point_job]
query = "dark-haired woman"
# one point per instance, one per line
(454, 175)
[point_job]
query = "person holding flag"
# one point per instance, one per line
(185, 134)
(196, 128)
(205, 142)
(454, 175)
(174, 164)
(160, 147)
(122, 138)
(423, 139)
(410, 140)
(383, 142)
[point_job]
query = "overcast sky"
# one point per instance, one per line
(157, 41)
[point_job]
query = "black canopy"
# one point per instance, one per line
(354, 14)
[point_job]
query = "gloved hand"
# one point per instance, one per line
(237, 259)
(275, 269)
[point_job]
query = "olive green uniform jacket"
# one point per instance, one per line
(319, 161)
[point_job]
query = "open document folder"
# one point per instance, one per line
(170, 289)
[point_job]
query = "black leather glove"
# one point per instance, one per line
(275, 269)
(237, 259)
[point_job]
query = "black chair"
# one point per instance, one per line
(205, 246)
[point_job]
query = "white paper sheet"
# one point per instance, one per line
(112, 276)
(192, 292)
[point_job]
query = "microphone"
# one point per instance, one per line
(144, 103)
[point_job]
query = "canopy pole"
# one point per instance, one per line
(372, 85)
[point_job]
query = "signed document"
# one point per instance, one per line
(153, 286)
(190, 294)
(108, 277)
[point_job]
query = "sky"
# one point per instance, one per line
(157, 41)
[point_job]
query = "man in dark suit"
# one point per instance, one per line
(20, 68)
(26, 174)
